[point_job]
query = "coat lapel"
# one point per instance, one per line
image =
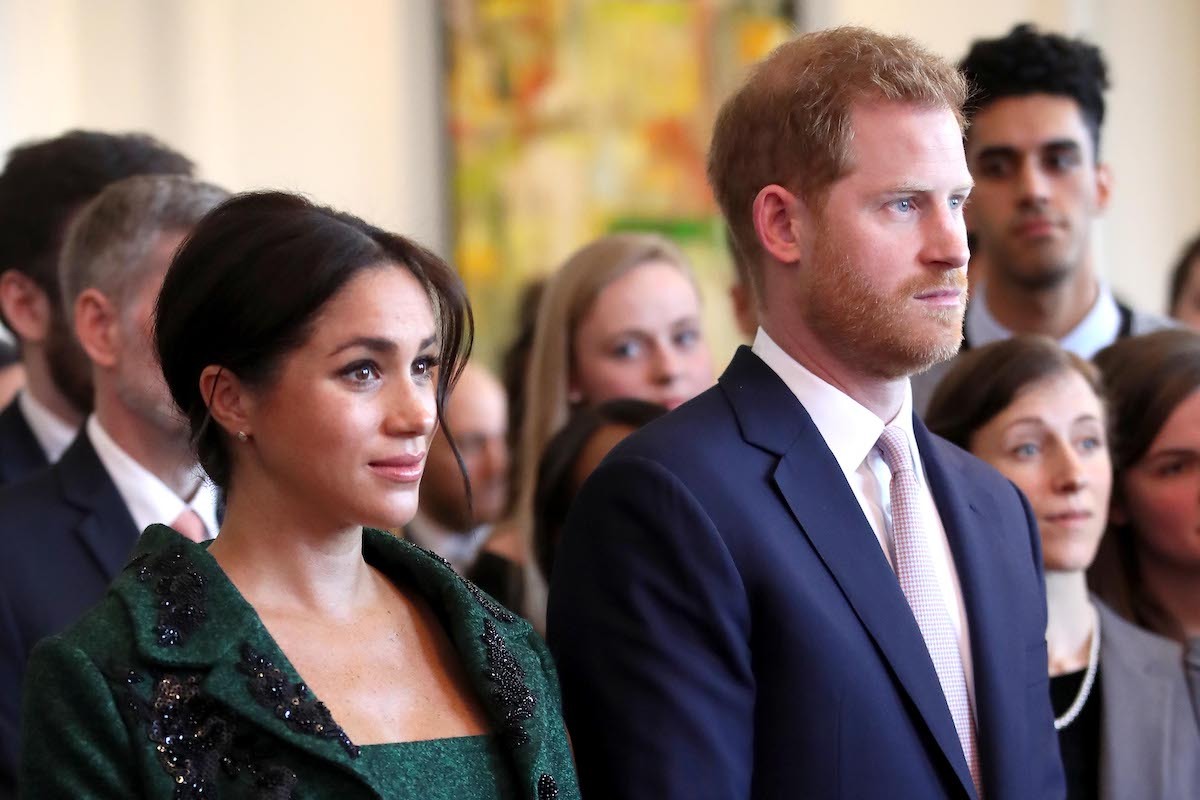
(969, 520)
(106, 530)
(20, 452)
(816, 492)
(189, 619)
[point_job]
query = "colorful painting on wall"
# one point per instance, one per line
(569, 119)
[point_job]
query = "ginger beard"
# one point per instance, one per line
(884, 331)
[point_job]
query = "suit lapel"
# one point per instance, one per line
(816, 492)
(106, 530)
(996, 644)
(20, 453)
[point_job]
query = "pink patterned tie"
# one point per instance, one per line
(190, 525)
(914, 569)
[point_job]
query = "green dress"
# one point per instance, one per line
(173, 688)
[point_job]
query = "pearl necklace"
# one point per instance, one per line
(1089, 679)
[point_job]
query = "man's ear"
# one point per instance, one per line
(1104, 184)
(25, 306)
(95, 322)
(782, 223)
(229, 400)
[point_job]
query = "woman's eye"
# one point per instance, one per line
(686, 338)
(362, 371)
(424, 366)
(625, 350)
(1091, 443)
(1027, 450)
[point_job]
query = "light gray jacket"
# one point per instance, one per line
(1149, 736)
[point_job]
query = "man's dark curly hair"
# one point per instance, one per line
(1027, 61)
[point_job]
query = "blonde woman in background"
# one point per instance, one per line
(619, 319)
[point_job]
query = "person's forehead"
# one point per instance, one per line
(905, 145)
(1027, 122)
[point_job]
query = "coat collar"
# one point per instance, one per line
(188, 617)
(812, 484)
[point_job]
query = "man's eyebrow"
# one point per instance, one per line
(998, 151)
(1062, 144)
(922, 188)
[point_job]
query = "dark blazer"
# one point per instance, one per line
(1149, 737)
(727, 626)
(20, 453)
(64, 535)
(172, 687)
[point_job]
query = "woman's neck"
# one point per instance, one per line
(1175, 590)
(283, 559)
(1070, 623)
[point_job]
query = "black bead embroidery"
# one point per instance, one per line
(290, 702)
(194, 737)
(511, 692)
(181, 594)
(495, 609)
(491, 606)
(547, 788)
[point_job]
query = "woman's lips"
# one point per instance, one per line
(400, 469)
(1069, 516)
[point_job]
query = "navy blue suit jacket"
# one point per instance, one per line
(65, 533)
(20, 453)
(726, 625)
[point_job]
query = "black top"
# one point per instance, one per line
(1079, 741)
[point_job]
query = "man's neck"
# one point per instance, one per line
(1053, 311)
(41, 387)
(881, 396)
(168, 458)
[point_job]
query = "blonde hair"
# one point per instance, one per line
(569, 295)
(789, 124)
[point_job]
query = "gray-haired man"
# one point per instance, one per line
(66, 532)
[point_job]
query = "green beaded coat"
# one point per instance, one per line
(173, 688)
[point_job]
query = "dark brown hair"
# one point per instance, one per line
(985, 380)
(245, 287)
(1146, 378)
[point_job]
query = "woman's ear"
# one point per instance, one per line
(229, 401)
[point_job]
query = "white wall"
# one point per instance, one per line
(340, 100)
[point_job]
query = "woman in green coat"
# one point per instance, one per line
(300, 655)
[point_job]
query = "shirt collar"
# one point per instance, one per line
(459, 548)
(849, 429)
(52, 434)
(148, 499)
(1098, 329)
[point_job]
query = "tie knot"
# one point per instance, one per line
(894, 446)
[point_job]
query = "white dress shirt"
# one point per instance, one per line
(1097, 330)
(148, 499)
(54, 435)
(851, 431)
(460, 549)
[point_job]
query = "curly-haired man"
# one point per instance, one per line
(1033, 147)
